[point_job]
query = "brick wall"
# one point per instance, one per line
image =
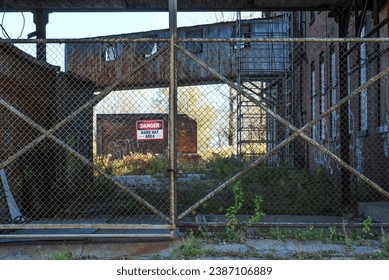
(367, 146)
(116, 135)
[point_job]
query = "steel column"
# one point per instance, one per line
(172, 110)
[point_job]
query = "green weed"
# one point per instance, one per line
(258, 213)
(190, 249)
(65, 254)
(233, 210)
(367, 223)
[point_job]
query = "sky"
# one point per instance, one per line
(82, 25)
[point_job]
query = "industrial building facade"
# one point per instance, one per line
(367, 115)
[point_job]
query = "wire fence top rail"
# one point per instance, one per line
(210, 40)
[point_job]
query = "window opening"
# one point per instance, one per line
(194, 47)
(110, 52)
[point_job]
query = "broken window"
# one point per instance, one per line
(363, 80)
(244, 32)
(333, 92)
(149, 49)
(110, 52)
(194, 47)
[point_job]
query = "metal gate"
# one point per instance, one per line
(131, 137)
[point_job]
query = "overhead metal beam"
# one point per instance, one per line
(182, 5)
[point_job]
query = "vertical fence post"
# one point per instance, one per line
(172, 110)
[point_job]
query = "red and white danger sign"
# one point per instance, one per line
(150, 130)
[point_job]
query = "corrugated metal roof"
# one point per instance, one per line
(183, 5)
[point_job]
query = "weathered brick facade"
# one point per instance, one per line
(116, 135)
(368, 135)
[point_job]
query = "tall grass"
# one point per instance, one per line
(135, 164)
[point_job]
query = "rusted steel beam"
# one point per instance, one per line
(84, 226)
(78, 236)
(297, 133)
(183, 5)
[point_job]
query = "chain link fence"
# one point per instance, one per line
(283, 126)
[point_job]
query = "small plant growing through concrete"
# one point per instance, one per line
(65, 254)
(190, 249)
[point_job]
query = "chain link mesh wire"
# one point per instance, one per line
(105, 106)
(93, 97)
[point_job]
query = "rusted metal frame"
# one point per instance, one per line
(86, 105)
(298, 132)
(84, 226)
(78, 236)
(172, 141)
(73, 152)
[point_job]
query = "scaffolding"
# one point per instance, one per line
(256, 131)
